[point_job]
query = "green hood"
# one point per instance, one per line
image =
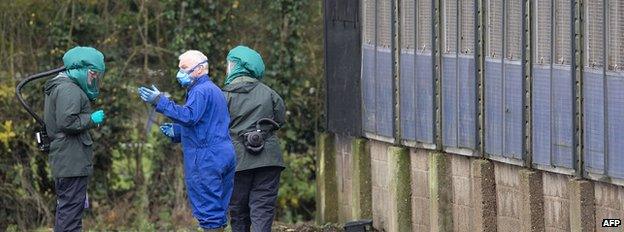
(78, 61)
(247, 62)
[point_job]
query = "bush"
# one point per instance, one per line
(138, 183)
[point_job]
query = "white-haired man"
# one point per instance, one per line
(201, 125)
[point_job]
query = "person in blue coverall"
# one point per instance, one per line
(202, 126)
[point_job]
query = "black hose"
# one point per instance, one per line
(18, 91)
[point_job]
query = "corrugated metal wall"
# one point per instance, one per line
(550, 80)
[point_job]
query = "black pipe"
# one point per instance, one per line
(18, 91)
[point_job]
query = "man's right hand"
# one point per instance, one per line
(149, 95)
(97, 117)
(167, 129)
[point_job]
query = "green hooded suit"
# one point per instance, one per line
(67, 113)
(248, 101)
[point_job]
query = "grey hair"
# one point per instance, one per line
(195, 57)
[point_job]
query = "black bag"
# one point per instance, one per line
(254, 140)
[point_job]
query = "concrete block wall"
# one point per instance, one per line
(326, 180)
(380, 190)
(609, 204)
(419, 171)
(343, 174)
(556, 202)
(440, 192)
(462, 205)
(508, 197)
(449, 192)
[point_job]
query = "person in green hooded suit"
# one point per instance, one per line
(256, 112)
(68, 117)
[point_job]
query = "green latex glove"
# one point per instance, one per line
(97, 117)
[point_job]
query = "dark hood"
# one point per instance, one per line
(56, 81)
(241, 87)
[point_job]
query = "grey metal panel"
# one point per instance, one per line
(494, 28)
(594, 30)
(543, 32)
(467, 103)
(615, 115)
(408, 21)
(541, 115)
(424, 99)
(408, 96)
(458, 74)
(563, 26)
(368, 88)
(562, 125)
(423, 24)
(368, 22)
(384, 106)
(384, 21)
(596, 150)
(467, 26)
(615, 88)
(552, 113)
(513, 111)
(449, 25)
(493, 106)
(594, 121)
(384, 93)
(449, 101)
(615, 37)
(513, 29)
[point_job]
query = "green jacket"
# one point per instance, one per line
(248, 101)
(67, 115)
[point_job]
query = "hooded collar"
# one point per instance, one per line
(51, 84)
(242, 84)
(244, 79)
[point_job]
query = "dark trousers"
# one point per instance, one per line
(71, 193)
(254, 198)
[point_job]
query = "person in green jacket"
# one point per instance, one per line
(258, 169)
(68, 117)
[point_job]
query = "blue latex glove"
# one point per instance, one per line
(167, 129)
(97, 117)
(149, 95)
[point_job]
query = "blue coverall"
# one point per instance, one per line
(202, 125)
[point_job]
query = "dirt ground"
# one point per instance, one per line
(305, 227)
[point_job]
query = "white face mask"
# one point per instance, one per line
(230, 66)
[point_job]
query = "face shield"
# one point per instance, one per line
(93, 80)
(85, 66)
(230, 66)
